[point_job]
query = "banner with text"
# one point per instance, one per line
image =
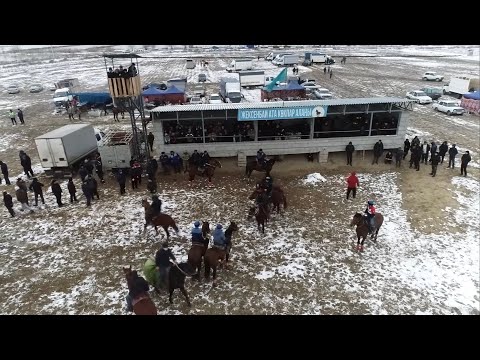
(298, 112)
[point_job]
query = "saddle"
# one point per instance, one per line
(196, 243)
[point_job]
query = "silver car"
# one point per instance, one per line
(35, 88)
(13, 89)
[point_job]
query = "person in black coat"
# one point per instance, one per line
(406, 148)
(435, 161)
(99, 169)
(433, 150)
(349, 149)
(57, 191)
(87, 191)
(452, 152)
(466, 158)
(89, 166)
(377, 152)
(82, 172)
(8, 202)
(20, 116)
(26, 164)
(399, 155)
(442, 150)
(122, 179)
(417, 157)
(162, 261)
(138, 287)
(150, 140)
(72, 190)
(36, 186)
(152, 167)
(93, 186)
(4, 169)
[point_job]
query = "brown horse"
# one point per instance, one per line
(278, 198)
(142, 304)
(253, 165)
(214, 255)
(197, 251)
(362, 228)
(262, 214)
(161, 219)
(208, 172)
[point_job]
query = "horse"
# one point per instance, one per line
(161, 219)
(213, 255)
(253, 165)
(208, 172)
(362, 228)
(197, 251)
(142, 304)
(116, 111)
(277, 198)
(261, 216)
(176, 278)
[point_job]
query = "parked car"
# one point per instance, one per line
(13, 89)
(301, 81)
(202, 77)
(35, 88)
(322, 94)
(434, 93)
(196, 100)
(448, 107)
(432, 76)
(310, 85)
(215, 99)
(419, 97)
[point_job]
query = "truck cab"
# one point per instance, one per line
(61, 96)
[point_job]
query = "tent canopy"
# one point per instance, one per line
(170, 90)
(473, 95)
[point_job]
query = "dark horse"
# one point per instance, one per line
(362, 228)
(208, 172)
(161, 219)
(213, 255)
(253, 165)
(142, 304)
(278, 197)
(197, 251)
(176, 278)
(262, 214)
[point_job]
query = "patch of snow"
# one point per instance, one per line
(313, 179)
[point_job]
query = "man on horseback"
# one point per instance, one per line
(261, 199)
(267, 184)
(139, 286)
(156, 208)
(219, 238)
(197, 236)
(162, 261)
(204, 159)
(370, 212)
(261, 158)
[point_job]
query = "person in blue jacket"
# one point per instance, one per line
(219, 237)
(197, 236)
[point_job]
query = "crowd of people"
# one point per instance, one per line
(121, 72)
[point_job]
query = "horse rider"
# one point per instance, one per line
(219, 240)
(262, 198)
(204, 159)
(138, 287)
(162, 261)
(156, 207)
(261, 158)
(197, 235)
(370, 212)
(268, 185)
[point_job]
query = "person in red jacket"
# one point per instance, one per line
(352, 183)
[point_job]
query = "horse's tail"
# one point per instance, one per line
(284, 202)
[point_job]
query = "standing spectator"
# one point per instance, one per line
(352, 183)
(398, 157)
(22, 198)
(26, 163)
(36, 186)
(92, 185)
(325, 70)
(135, 175)
(87, 192)
(12, 116)
(89, 166)
(57, 191)
(452, 152)
(331, 73)
(122, 179)
(377, 151)
(425, 152)
(433, 150)
(99, 168)
(406, 147)
(417, 157)
(443, 150)
(20, 116)
(150, 139)
(4, 169)
(72, 190)
(185, 158)
(349, 149)
(82, 172)
(415, 141)
(435, 161)
(71, 113)
(152, 167)
(466, 158)
(8, 202)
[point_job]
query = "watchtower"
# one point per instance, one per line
(126, 90)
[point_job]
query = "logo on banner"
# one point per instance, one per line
(318, 111)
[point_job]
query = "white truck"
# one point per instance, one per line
(240, 64)
(252, 78)
(62, 150)
(230, 90)
(286, 60)
(461, 85)
(117, 150)
(61, 96)
(318, 58)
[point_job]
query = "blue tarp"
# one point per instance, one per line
(93, 98)
(292, 85)
(173, 90)
(473, 95)
(170, 90)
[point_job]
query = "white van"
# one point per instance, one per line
(190, 64)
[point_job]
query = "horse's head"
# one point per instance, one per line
(129, 274)
(215, 163)
(205, 227)
(356, 219)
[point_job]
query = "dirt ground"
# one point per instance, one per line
(47, 275)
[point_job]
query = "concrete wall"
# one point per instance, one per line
(285, 147)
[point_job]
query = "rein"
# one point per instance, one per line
(183, 272)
